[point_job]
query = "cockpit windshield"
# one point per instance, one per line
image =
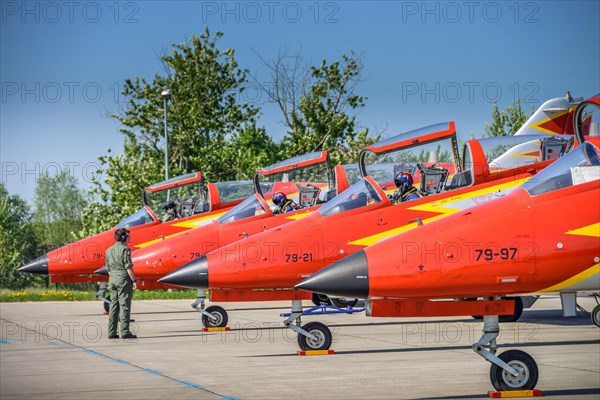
(246, 209)
(352, 173)
(140, 217)
(291, 175)
(576, 167)
(361, 194)
(433, 146)
(234, 190)
(186, 198)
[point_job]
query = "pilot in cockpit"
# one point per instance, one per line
(283, 204)
(170, 211)
(405, 190)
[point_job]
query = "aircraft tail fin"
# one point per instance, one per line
(555, 116)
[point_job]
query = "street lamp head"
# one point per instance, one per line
(166, 93)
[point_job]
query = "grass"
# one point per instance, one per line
(44, 294)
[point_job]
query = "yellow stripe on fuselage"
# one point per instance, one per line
(296, 217)
(574, 279)
(440, 207)
(592, 230)
(189, 224)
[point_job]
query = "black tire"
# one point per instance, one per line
(523, 363)
(319, 330)
(596, 316)
(218, 312)
(320, 299)
(341, 302)
(106, 305)
(518, 311)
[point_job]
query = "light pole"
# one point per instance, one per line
(166, 94)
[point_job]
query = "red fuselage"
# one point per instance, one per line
(284, 256)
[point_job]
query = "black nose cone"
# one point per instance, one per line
(348, 277)
(193, 275)
(37, 266)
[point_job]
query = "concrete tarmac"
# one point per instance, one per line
(60, 350)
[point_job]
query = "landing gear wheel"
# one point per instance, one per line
(106, 305)
(319, 299)
(596, 316)
(219, 313)
(509, 318)
(321, 331)
(520, 361)
(341, 302)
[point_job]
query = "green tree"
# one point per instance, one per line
(318, 104)
(507, 122)
(18, 241)
(206, 119)
(58, 205)
(253, 148)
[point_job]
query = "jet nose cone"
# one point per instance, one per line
(348, 277)
(37, 266)
(101, 271)
(193, 274)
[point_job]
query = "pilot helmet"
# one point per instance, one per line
(169, 204)
(279, 198)
(403, 179)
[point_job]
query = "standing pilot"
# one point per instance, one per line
(405, 190)
(121, 283)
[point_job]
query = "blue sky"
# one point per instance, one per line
(62, 63)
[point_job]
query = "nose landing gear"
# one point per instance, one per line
(511, 370)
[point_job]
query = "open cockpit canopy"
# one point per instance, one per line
(306, 179)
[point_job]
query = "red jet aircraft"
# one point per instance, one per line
(308, 180)
(303, 178)
(198, 204)
(363, 214)
(519, 244)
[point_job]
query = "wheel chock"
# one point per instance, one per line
(515, 393)
(106, 312)
(216, 329)
(315, 352)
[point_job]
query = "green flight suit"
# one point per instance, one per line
(118, 260)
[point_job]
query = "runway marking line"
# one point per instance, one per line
(152, 371)
(190, 384)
